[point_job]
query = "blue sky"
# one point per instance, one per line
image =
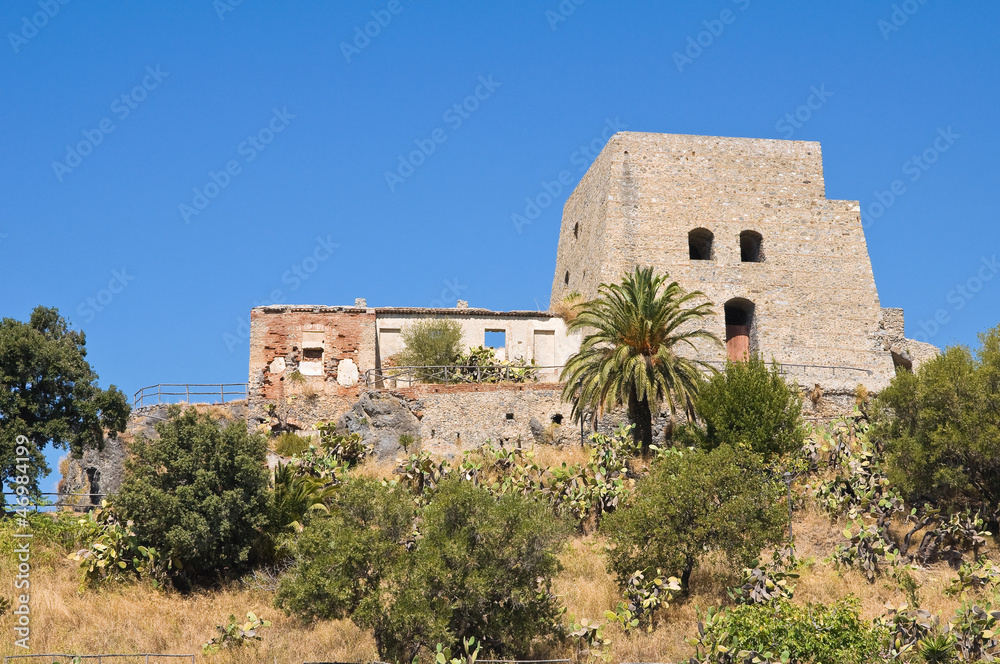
(275, 125)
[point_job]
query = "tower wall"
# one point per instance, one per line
(814, 295)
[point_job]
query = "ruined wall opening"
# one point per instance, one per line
(740, 329)
(312, 353)
(497, 340)
(751, 247)
(700, 244)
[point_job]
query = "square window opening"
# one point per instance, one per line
(495, 339)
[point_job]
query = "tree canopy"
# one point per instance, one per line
(198, 493)
(630, 355)
(940, 427)
(49, 393)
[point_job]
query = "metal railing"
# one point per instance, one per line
(788, 368)
(158, 393)
(144, 655)
(59, 503)
(391, 377)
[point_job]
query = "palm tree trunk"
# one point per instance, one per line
(642, 416)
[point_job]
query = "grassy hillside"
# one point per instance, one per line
(140, 618)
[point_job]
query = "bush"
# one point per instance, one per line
(751, 407)
(289, 444)
(430, 343)
(694, 502)
(481, 566)
(939, 429)
(783, 632)
(198, 494)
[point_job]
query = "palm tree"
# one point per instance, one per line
(629, 354)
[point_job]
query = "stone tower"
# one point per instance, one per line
(747, 222)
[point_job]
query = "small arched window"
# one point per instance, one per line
(751, 247)
(700, 244)
(576, 230)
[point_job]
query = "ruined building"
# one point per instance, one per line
(746, 221)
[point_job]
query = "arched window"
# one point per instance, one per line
(700, 244)
(740, 329)
(751, 247)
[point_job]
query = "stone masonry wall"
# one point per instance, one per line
(814, 294)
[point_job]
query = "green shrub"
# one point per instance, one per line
(751, 407)
(198, 494)
(430, 343)
(289, 444)
(481, 566)
(115, 553)
(694, 502)
(235, 634)
(939, 428)
(780, 631)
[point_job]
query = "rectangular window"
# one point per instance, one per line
(312, 353)
(497, 340)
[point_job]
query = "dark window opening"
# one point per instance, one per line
(700, 244)
(313, 354)
(576, 230)
(510, 416)
(751, 243)
(740, 331)
(566, 278)
(557, 418)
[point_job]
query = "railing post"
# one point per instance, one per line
(159, 399)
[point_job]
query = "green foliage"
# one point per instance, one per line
(481, 565)
(761, 584)
(49, 395)
(115, 553)
(780, 631)
(430, 343)
(868, 550)
(470, 654)
(588, 636)
(643, 598)
(198, 494)
(235, 634)
(346, 447)
(752, 408)
(975, 575)
(939, 428)
(482, 366)
(289, 444)
(692, 503)
(295, 496)
(631, 356)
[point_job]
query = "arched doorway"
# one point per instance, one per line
(739, 329)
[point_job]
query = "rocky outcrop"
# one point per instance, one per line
(381, 418)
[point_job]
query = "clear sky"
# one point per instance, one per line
(166, 166)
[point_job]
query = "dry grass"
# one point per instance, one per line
(138, 619)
